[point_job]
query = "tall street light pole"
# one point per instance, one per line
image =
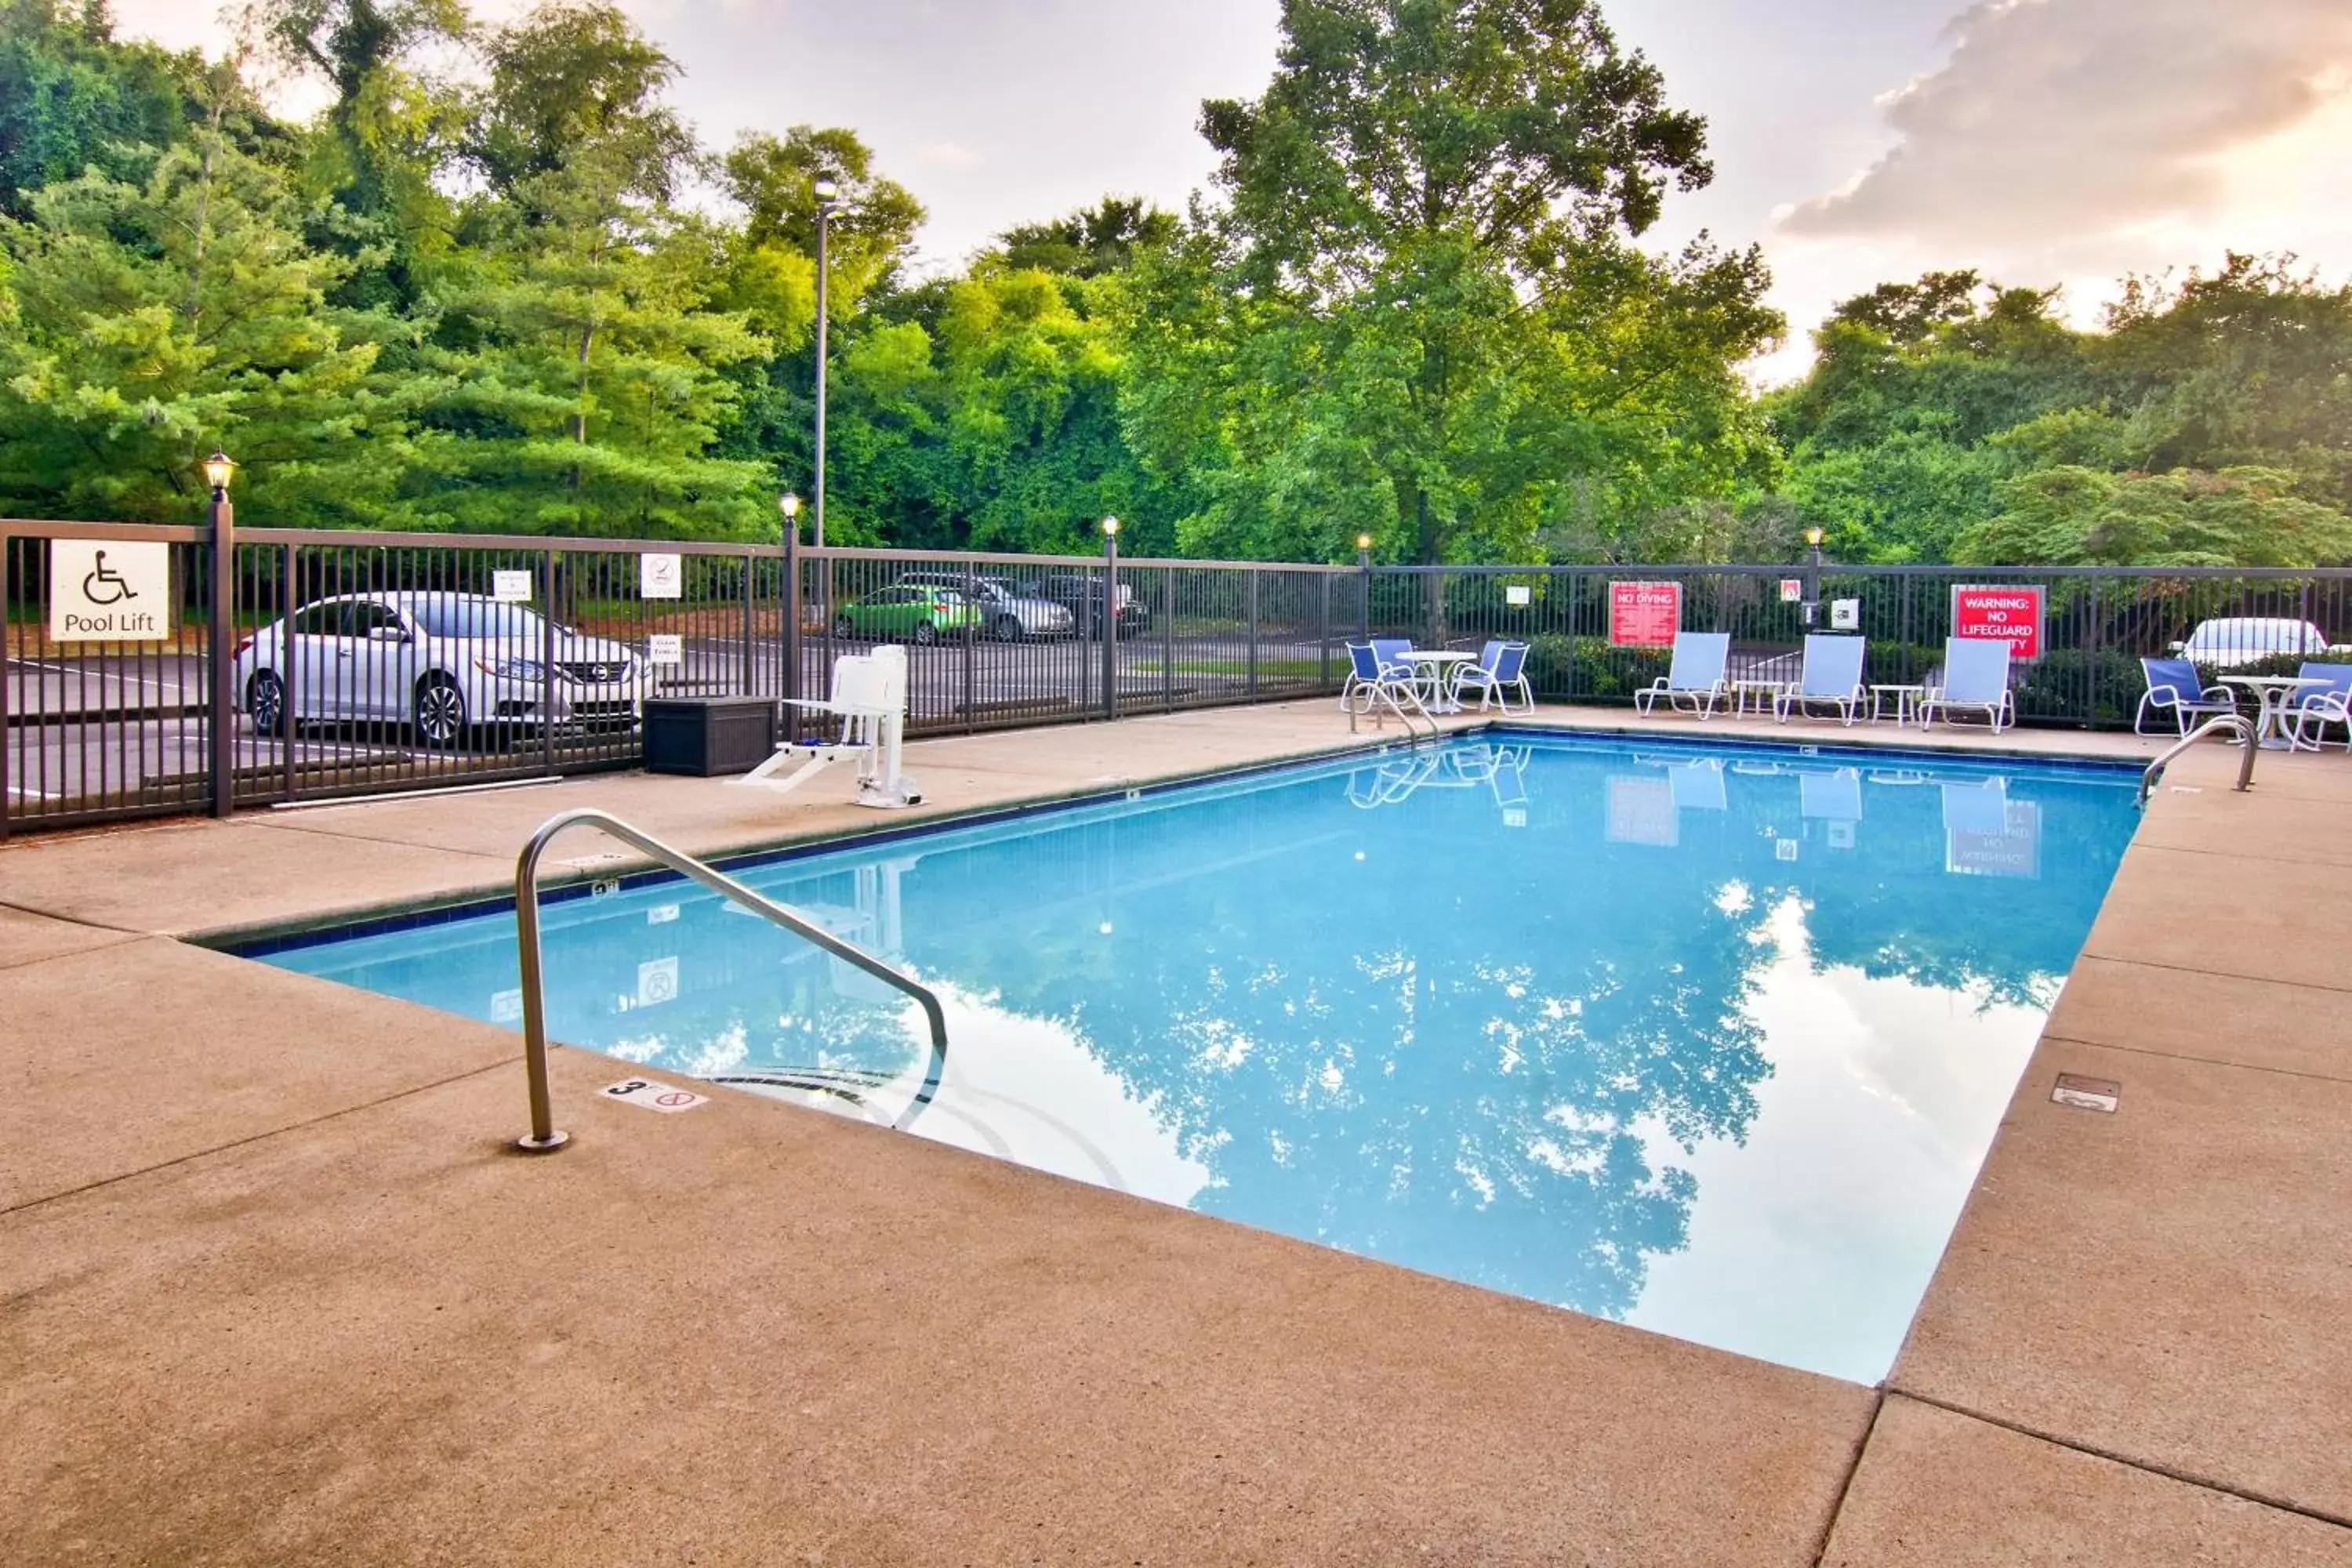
(1813, 575)
(828, 195)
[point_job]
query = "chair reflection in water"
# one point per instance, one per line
(1500, 770)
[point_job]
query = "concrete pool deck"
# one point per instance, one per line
(272, 1289)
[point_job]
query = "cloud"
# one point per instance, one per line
(948, 156)
(2082, 117)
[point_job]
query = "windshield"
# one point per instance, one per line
(484, 620)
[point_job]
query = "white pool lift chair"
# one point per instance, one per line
(869, 698)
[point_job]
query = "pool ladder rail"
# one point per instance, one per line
(2236, 724)
(545, 1137)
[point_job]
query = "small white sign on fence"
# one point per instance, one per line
(108, 590)
(510, 587)
(1793, 590)
(1845, 614)
(666, 648)
(661, 577)
(1518, 593)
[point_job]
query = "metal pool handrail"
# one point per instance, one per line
(2235, 722)
(544, 1136)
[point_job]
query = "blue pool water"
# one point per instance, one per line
(1710, 1040)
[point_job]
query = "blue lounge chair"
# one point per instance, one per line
(2317, 707)
(1832, 674)
(1380, 689)
(1388, 659)
(2172, 688)
(1976, 679)
(1696, 675)
(1501, 669)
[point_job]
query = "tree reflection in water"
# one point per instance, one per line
(1471, 1017)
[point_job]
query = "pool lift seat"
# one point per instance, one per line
(869, 698)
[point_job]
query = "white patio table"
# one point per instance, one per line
(1434, 666)
(2275, 692)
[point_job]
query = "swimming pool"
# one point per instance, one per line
(1709, 1039)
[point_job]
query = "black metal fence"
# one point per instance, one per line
(2093, 623)
(346, 664)
(317, 665)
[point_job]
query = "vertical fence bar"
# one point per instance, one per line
(547, 663)
(1106, 623)
(7, 649)
(788, 613)
(222, 645)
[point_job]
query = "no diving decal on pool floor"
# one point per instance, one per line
(652, 1096)
(2087, 1093)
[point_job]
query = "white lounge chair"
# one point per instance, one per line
(869, 698)
(1976, 679)
(1832, 674)
(1696, 675)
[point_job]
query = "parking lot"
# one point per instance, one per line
(118, 730)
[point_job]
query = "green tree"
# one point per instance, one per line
(1375, 331)
(2073, 516)
(586, 360)
(154, 319)
(74, 98)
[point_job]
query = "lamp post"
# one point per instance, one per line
(788, 598)
(218, 472)
(1364, 579)
(1109, 620)
(1813, 574)
(828, 196)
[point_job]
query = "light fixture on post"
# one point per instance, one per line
(788, 601)
(828, 198)
(222, 710)
(1813, 573)
(1364, 580)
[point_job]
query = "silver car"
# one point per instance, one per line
(442, 663)
(1007, 616)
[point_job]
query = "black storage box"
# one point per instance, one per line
(706, 736)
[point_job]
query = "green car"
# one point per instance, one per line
(908, 614)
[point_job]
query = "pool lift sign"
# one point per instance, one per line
(110, 589)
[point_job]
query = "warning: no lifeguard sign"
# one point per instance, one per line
(2010, 613)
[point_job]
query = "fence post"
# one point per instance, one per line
(1168, 639)
(288, 600)
(1323, 630)
(7, 646)
(972, 613)
(788, 609)
(1255, 574)
(1109, 620)
(749, 679)
(223, 635)
(547, 663)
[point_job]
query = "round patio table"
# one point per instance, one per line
(1434, 665)
(2273, 691)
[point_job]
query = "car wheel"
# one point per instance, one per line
(439, 711)
(1008, 628)
(926, 635)
(844, 628)
(265, 702)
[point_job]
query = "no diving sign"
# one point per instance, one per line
(662, 1097)
(110, 589)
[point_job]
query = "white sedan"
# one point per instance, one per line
(2235, 641)
(441, 663)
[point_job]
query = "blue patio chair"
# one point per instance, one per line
(1501, 669)
(2172, 688)
(1696, 676)
(1380, 689)
(1388, 659)
(2317, 707)
(1975, 677)
(1832, 674)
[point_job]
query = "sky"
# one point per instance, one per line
(2045, 142)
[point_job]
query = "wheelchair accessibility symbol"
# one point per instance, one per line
(110, 589)
(105, 586)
